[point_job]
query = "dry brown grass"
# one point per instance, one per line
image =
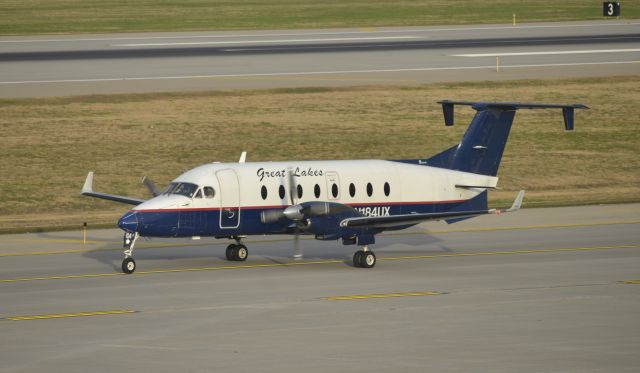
(48, 145)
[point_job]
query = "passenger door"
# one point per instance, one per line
(229, 198)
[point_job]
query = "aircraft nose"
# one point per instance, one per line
(129, 222)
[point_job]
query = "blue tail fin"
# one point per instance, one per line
(482, 145)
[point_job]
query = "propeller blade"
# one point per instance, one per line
(293, 189)
(297, 250)
(151, 186)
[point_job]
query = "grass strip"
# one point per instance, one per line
(50, 144)
(108, 16)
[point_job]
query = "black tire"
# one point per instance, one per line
(368, 260)
(128, 266)
(241, 253)
(230, 252)
(357, 258)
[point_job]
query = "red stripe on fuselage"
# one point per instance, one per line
(285, 206)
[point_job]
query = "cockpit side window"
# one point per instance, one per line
(209, 192)
(198, 194)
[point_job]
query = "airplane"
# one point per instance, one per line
(347, 200)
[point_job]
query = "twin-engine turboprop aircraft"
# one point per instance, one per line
(349, 200)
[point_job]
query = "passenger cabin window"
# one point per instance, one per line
(352, 190)
(387, 189)
(369, 189)
(316, 191)
(209, 192)
(281, 191)
(334, 190)
(263, 192)
(299, 191)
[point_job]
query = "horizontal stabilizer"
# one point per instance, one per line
(567, 110)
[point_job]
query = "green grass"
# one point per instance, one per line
(49, 144)
(102, 16)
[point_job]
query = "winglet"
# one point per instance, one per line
(243, 157)
(88, 184)
(517, 203)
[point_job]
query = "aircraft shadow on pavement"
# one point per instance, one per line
(275, 252)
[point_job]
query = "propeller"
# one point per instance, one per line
(151, 186)
(294, 212)
(298, 213)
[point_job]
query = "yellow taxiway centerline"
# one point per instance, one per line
(65, 315)
(333, 261)
(631, 282)
(379, 296)
(213, 243)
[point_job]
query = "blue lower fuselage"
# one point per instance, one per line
(218, 222)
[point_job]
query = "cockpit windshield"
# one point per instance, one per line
(183, 189)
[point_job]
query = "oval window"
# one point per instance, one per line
(334, 190)
(352, 190)
(281, 191)
(263, 192)
(209, 192)
(299, 191)
(369, 189)
(387, 189)
(316, 190)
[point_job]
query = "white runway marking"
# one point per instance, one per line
(260, 41)
(541, 53)
(167, 37)
(314, 73)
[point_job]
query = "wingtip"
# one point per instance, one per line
(88, 184)
(517, 203)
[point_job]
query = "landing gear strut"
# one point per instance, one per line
(237, 252)
(128, 264)
(364, 258)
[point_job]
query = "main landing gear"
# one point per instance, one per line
(128, 264)
(237, 252)
(364, 258)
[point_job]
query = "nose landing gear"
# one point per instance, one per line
(128, 264)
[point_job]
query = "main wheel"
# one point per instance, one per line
(128, 265)
(241, 253)
(357, 258)
(230, 252)
(368, 259)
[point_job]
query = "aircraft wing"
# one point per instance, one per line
(400, 220)
(87, 190)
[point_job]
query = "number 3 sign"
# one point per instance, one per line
(611, 9)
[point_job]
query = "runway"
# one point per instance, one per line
(122, 63)
(538, 290)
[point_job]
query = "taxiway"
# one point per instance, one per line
(554, 289)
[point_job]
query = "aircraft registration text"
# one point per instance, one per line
(374, 211)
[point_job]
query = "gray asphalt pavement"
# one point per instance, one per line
(540, 290)
(82, 64)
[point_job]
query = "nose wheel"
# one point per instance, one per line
(128, 264)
